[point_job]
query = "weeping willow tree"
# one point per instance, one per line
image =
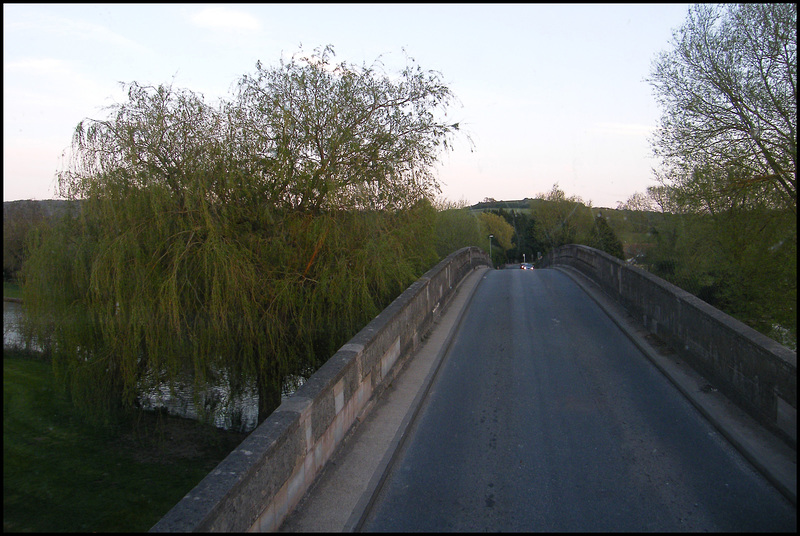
(456, 227)
(242, 242)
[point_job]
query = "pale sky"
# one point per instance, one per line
(549, 93)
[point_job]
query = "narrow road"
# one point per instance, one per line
(545, 417)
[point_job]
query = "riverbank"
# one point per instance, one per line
(61, 474)
(11, 292)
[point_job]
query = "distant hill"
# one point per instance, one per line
(493, 204)
(518, 204)
(47, 208)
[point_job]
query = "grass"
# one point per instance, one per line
(61, 474)
(11, 290)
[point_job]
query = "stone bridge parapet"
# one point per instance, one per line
(756, 372)
(258, 484)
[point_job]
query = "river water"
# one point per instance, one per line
(12, 312)
(237, 413)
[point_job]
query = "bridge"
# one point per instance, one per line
(590, 395)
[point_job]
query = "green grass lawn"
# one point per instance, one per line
(61, 474)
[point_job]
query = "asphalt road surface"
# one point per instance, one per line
(545, 417)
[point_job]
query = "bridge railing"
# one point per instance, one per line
(756, 372)
(258, 484)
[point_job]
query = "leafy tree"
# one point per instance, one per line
(238, 243)
(525, 245)
(639, 202)
(603, 237)
(331, 136)
(736, 255)
(742, 261)
(525, 238)
(664, 199)
(728, 89)
(560, 219)
(502, 231)
(456, 227)
(19, 218)
(637, 214)
(728, 142)
(524, 242)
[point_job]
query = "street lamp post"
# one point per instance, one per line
(490, 246)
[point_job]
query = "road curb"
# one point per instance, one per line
(359, 515)
(340, 497)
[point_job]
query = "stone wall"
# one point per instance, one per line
(258, 484)
(754, 371)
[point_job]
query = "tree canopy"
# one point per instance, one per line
(241, 242)
(728, 89)
(321, 135)
(728, 146)
(562, 220)
(456, 227)
(499, 228)
(603, 237)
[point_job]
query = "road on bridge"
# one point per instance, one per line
(546, 417)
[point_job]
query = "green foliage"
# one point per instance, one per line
(728, 144)
(496, 225)
(242, 243)
(603, 237)
(11, 290)
(18, 220)
(728, 89)
(332, 136)
(457, 227)
(740, 261)
(755, 264)
(525, 246)
(561, 220)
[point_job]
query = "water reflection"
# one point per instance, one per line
(238, 413)
(12, 337)
(231, 413)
